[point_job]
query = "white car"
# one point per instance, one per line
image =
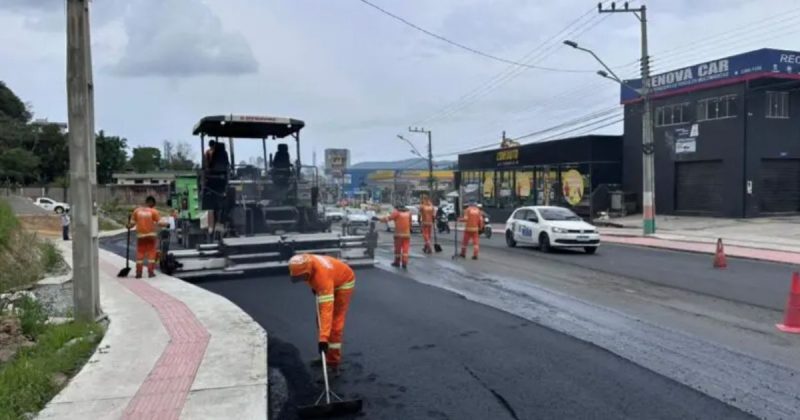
(52, 205)
(550, 227)
(334, 214)
(415, 226)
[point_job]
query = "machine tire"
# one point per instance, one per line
(590, 249)
(544, 243)
(510, 239)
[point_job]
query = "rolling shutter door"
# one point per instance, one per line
(780, 186)
(698, 187)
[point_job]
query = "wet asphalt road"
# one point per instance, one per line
(758, 283)
(418, 352)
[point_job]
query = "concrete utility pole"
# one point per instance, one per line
(83, 170)
(648, 143)
(430, 156)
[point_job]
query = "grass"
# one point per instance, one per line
(8, 223)
(30, 380)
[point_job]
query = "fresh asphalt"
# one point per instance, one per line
(414, 352)
(759, 283)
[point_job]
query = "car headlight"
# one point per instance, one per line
(559, 230)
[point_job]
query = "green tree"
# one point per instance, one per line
(11, 106)
(18, 165)
(177, 157)
(52, 148)
(145, 159)
(112, 156)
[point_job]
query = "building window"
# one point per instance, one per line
(717, 108)
(673, 114)
(777, 104)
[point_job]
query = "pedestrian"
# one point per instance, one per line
(208, 156)
(426, 216)
(332, 281)
(146, 219)
(473, 219)
(65, 221)
(402, 234)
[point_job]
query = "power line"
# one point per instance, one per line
(466, 48)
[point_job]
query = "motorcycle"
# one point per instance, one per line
(442, 224)
(487, 227)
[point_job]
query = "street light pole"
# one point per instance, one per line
(430, 156)
(83, 178)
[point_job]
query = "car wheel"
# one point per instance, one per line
(590, 249)
(544, 243)
(510, 239)
(59, 209)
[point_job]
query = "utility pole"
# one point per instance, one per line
(648, 144)
(430, 157)
(83, 170)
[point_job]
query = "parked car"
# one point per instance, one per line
(550, 227)
(52, 205)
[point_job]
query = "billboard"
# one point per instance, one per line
(751, 65)
(336, 161)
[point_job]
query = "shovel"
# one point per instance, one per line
(338, 407)
(125, 271)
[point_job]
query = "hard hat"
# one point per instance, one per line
(299, 265)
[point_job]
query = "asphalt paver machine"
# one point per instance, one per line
(242, 218)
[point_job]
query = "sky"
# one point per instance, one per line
(358, 77)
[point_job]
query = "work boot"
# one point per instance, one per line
(138, 275)
(474, 257)
(463, 255)
(151, 274)
(405, 266)
(395, 264)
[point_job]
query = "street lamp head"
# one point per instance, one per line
(572, 44)
(602, 73)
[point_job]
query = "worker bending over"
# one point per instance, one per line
(402, 234)
(426, 216)
(332, 282)
(146, 219)
(473, 218)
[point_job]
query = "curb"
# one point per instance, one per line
(172, 350)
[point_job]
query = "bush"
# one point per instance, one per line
(50, 256)
(32, 317)
(8, 223)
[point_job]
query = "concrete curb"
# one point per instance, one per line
(149, 345)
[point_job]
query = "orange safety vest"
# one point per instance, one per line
(402, 223)
(328, 276)
(146, 220)
(474, 218)
(426, 213)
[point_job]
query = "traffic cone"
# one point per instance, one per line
(719, 256)
(791, 321)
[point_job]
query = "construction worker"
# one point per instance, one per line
(402, 234)
(332, 282)
(426, 217)
(473, 218)
(208, 156)
(146, 219)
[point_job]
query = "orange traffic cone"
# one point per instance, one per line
(719, 256)
(791, 322)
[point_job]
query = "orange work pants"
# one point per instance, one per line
(401, 249)
(427, 230)
(470, 236)
(341, 301)
(146, 249)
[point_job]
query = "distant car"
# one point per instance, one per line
(356, 221)
(334, 214)
(550, 227)
(415, 226)
(52, 205)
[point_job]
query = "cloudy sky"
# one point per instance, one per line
(356, 76)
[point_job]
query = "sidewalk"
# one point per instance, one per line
(767, 239)
(172, 350)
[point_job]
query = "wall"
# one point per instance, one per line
(718, 140)
(105, 193)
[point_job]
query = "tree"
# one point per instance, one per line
(18, 165)
(177, 157)
(11, 106)
(145, 159)
(111, 156)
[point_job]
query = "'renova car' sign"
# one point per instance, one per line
(754, 64)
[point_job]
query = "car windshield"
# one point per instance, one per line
(558, 214)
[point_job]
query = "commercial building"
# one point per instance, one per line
(727, 136)
(565, 172)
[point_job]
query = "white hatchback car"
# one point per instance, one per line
(52, 205)
(550, 227)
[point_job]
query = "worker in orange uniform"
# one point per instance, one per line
(426, 216)
(473, 217)
(402, 234)
(146, 219)
(332, 282)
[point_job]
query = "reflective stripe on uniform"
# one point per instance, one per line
(324, 298)
(145, 235)
(349, 285)
(471, 229)
(335, 346)
(402, 235)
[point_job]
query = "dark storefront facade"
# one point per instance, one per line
(727, 137)
(561, 172)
